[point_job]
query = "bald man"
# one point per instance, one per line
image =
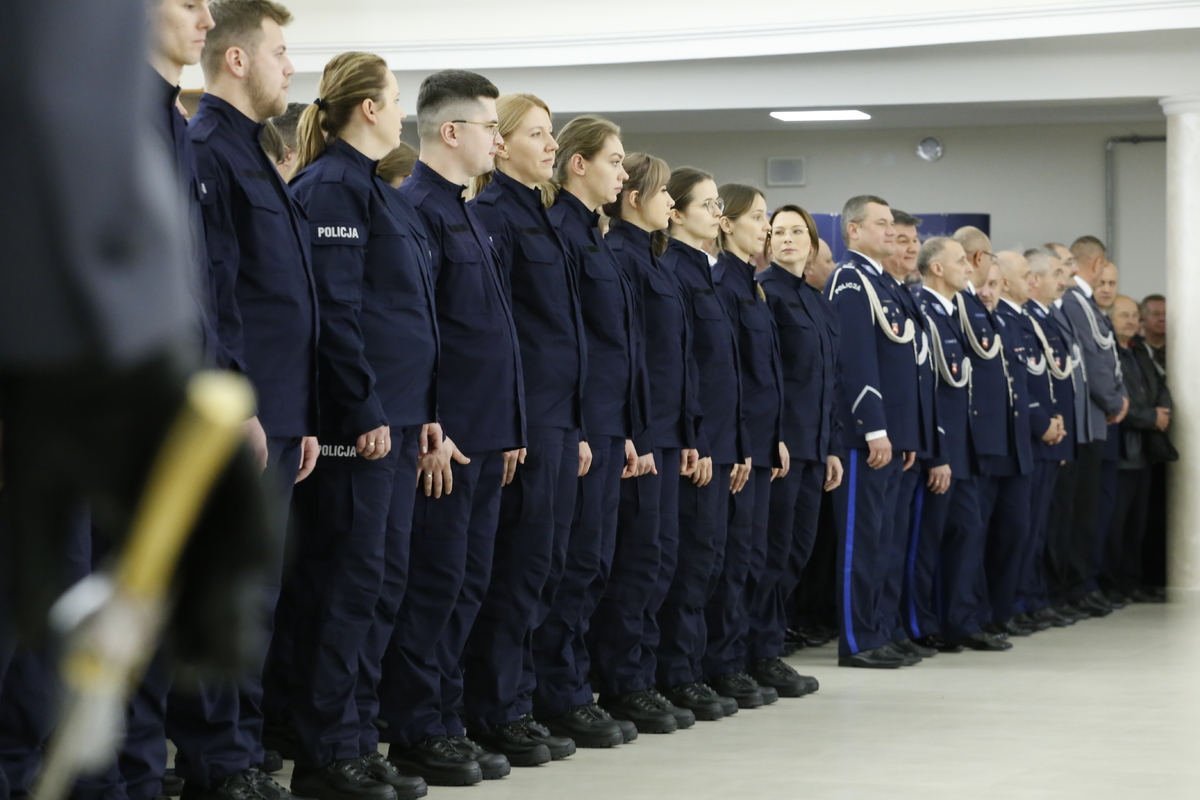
(1106, 286)
(1108, 404)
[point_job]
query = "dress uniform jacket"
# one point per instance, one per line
(543, 287)
(379, 335)
(762, 367)
(1020, 345)
(718, 364)
(615, 396)
(257, 239)
(809, 338)
(991, 423)
(480, 356)
(1096, 340)
(879, 377)
(949, 351)
(675, 415)
(1058, 354)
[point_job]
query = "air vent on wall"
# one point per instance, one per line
(785, 172)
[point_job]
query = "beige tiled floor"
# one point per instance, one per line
(1105, 709)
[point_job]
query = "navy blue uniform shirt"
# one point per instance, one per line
(878, 377)
(758, 346)
(1057, 350)
(718, 364)
(545, 300)
(950, 354)
(481, 396)
(378, 350)
(616, 393)
(257, 240)
(675, 416)
(991, 419)
(175, 133)
(808, 344)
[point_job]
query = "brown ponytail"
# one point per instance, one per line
(348, 80)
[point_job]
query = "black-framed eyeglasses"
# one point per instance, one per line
(715, 207)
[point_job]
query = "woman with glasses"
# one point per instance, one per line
(588, 173)
(623, 631)
(808, 338)
(537, 506)
(724, 462)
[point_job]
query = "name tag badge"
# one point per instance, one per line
(337, 232)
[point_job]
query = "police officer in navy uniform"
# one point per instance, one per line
(947, 545)
(704, 498)
(623, 625)
(808, 343)
(537, 507)
(588, 173)
(743, 235)
(880, 418)
(481, 403)
(257, 239)
(901, 266)
(1010, 539)
(379, 358)
(1048, 281)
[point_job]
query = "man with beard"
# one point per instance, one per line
(266, 319)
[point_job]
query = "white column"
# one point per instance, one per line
(1183, 339)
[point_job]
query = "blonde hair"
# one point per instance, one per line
(348, 80)
(584, 136)
(397, 164)
(510, 112)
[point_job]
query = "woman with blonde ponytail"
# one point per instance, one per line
(589, 172)
(377, 356)
(537, 506)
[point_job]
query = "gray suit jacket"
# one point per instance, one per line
(1104, 384)
(95, 266)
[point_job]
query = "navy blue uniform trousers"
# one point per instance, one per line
(891, 603)
(864, 510)
(353, 522)
(560, 655)
(795, 507)
(217, 728)
(683, 631)
(450, 564)
(527, 566)
(1004, 512)
(727, 612)
(961, 583)
(1032, 592)
(647, 536)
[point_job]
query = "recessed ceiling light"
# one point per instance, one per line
(831, 115)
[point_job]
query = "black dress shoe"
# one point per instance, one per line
(936, 641)
(438, 761)
(1034, 625)
(1051, 616)
(992, 629)
(272, 762)
(560, 747)
(704, 705)
(879, 658)
(585, 728)
(909, 646)
(1149, 595)
(815, 637)
(493, 765)
(684, 717)
(237, 786)
(172, 784)
(1095, 605)
(628, 730)
(407, 787)
(642, 710)
(745, 694)
(1117, 599)
(347, 779)
(729, 706)
(906, 659)
(1014, 628)
(769, 693)
(775, 673)
(981, 640)
(515, 743)
(1073, 612)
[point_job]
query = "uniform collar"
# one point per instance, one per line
(631, 232)
(347, 152)
(530, 198)
(1019, 311)
(241, 124)
(687, 252)
(778, 273)
(170, 92)
(744, 269)
(1084, 286)
(427, 174)
(946, 302)
(971, 289)
(1045, 309)
(575, 207)
(875, 265)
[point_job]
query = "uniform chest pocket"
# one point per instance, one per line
(661, 284)
(755, 317)
(707, 305)
(597, 267)
(540, 248)
(262, 195)
(795, 317)
(461, 283)
(463, 250)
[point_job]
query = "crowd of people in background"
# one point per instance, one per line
(659, 439)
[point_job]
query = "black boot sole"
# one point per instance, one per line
(438, 777)
(590, 740)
